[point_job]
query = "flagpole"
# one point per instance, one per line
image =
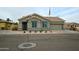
(49, 11)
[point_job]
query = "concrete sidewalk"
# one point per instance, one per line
(38, 32)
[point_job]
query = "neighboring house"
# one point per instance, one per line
(70, 26)
(37, 22)
(7, 25)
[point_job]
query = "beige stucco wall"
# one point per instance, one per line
(29, 24)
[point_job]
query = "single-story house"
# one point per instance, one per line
(38, 22)
(7, 25)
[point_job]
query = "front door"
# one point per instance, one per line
(24, 25)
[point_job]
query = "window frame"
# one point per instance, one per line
(44, 24)
(34, 24)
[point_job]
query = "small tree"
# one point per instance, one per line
(8, 19)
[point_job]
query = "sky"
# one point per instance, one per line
(69, 14)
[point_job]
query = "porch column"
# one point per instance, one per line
(20, 25)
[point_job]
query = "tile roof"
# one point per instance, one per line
(2, 20)
(49, 18)
(54, 18)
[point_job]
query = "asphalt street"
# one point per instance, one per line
(44, 42)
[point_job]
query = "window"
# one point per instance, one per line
(2, 28)
(34, 24)
(45, 24)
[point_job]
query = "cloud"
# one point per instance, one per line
(72, 18)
